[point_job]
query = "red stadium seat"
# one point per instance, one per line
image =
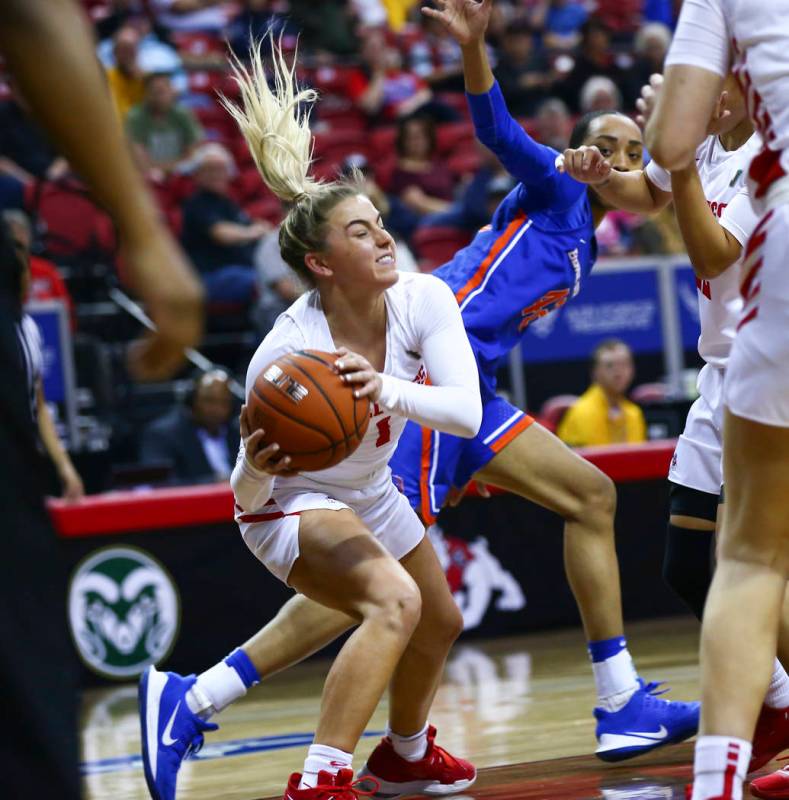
(455, 100)
(435, 246)
(216, 122)
(554, 408)
(196, 43)
(464, 162)
(334, 145)
(267, 207)
(382, 142)
(454, 135)
(75, 227)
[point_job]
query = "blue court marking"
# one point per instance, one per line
(233, 747)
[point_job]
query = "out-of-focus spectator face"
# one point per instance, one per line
(600, 94)
(613, 369)
(652, 43)
(553, 124)
(416, 140)
(159, 94)
(596, 39)
(517, 45)
(125, 46)
(374, 49)
(214, 171)
(212, 405)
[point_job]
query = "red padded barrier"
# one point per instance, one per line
(154, 509)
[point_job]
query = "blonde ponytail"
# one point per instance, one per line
(274, 125)
(278, 135)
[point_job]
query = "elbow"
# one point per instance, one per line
(672, 150)
(469, 426)
(708, 270)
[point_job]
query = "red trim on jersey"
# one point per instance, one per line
(765, 170)
(267, 517)
(748, 317)
(500, 243)
(520, 425)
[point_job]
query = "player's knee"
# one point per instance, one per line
(598, 496)
(448, 624)
(398, 605)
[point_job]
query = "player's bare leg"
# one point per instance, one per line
(538, 466)
(742, 617)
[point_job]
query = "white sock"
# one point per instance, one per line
(778, 691)
(616, 680)
(411, 748)
(719, 767)
(321, 758)
(215, 690)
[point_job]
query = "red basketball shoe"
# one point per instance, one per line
(771, 736)
(438, 773)
(772, 787)
(341, 786)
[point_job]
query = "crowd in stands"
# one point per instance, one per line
(391, 103)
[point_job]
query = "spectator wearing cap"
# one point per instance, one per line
(125, 78)
(603, 414)
(218, 234)
(523, 72)
(420, 184)
(163, 132)
(198, 439)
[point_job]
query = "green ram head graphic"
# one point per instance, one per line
(123, 611)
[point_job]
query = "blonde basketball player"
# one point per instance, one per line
(743, 611)
(343, 537)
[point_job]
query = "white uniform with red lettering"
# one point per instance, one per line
(424, 336)
(698, 458)
(757, 379)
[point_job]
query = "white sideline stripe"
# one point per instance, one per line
(502, 427)
(496, 263)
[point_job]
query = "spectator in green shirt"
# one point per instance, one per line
(164, 134)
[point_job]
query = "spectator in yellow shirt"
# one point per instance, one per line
(126, 80)
(603, 414)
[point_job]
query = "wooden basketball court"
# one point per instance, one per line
(520, 709)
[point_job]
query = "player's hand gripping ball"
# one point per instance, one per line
(304, 404)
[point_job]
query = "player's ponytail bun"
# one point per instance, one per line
(276, 129)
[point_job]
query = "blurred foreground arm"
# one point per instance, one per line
(49, 49)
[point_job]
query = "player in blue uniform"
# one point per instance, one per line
(532, 259)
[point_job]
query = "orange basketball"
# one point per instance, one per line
(303, 405)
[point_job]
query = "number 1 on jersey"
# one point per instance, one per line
(384, 431)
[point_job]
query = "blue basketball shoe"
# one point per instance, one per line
(170, 731)
(646, 722)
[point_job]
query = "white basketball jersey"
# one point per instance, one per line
(304, 326)
(722, 174)
(752, 38)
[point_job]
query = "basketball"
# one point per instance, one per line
(304, 406)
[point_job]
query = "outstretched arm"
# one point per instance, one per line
(629, 191)
(70, 98)
(529, 162)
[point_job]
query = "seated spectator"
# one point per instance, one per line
(651, 45)
(256, 20)
(560, 22)
(333, 28)
(523, 72)
(45, 280)
(217, 234)
(153, 55)
(419, 184)
(554, 124)
(192, 15)
(200, 439)
(125, 78)
(385, 91)
(596, 57)
(603, 414)
(622, 17)
(600, 94)
(164, 132)
(25, 152)
(436, 57)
